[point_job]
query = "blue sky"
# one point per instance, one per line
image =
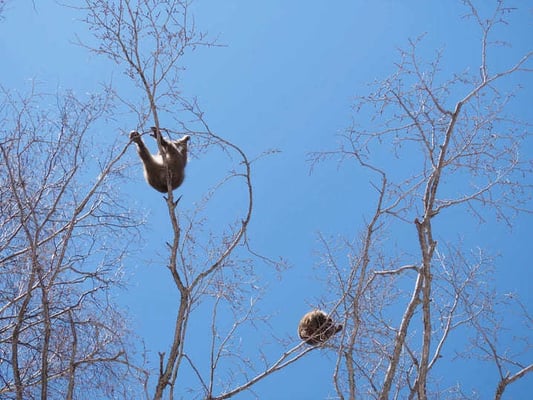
(285, 78)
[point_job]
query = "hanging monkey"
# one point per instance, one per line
(155, 173)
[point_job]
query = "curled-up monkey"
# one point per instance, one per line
(316, 327)
(155, 173)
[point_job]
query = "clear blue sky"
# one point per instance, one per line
(285, 79)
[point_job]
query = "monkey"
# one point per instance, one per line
(154, 170)
(316, 327)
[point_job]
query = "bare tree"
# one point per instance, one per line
(61, 335)
(211, 265)
(450, 150)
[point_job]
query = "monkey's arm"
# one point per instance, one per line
(156, 134)
(143, 151)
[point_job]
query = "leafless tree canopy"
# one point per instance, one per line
(454, 151)
(451, 150)
(211, 266)
(61, 246)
